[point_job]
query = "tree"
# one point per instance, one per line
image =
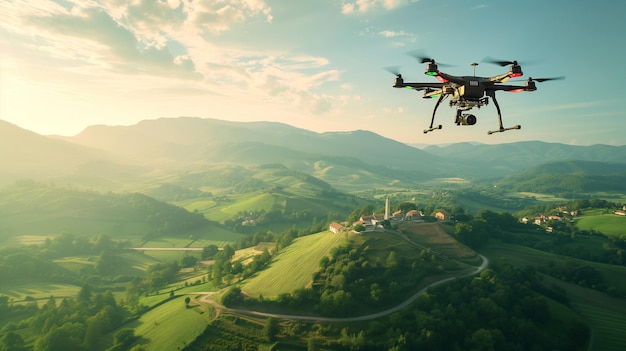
(187, 301)
(271, 328)
(392, 260)
(123, 339)
(481, 340)
(12, 341)
(106, 262)
(208, 252)
(66, 338)
(188, 261)
(232, 296)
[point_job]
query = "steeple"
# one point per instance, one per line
(387, 208)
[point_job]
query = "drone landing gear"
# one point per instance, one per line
(504, 129)
(492, 94)
(432, 120)
(432, 128)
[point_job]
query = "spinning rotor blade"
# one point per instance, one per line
(395, 70)
(540, 80)
(420, 56)
(500, 62)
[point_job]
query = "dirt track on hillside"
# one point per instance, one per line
(205, 299)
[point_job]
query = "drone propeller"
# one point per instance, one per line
(422, 58)
(500, 62)
(395, 70)
(540, 80)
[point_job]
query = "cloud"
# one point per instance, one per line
(162, 48)
(397, 38)
(218, 16)
(118, 47)
(365, 6)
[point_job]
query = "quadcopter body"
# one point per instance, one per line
(467, 92)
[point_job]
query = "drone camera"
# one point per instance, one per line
(467, 120)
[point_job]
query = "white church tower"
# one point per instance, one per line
(387, 208)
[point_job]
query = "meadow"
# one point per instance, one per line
(39, 291)
(293, 268)
(609, 224)
(170, 326)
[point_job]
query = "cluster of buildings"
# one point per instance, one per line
(374, 221)
(563, 214)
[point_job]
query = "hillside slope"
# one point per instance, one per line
(570, 176)
(508, 158)
(29, 208)
(194, 139)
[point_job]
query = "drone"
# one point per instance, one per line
(467, 92)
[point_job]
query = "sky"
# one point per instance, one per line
(313, 64)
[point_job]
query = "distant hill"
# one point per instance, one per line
(30, 208)
(186, 139)
(151, 152)
(246, 192)
(347, 160)
(570, 177)
(504, 159)
(24, 153)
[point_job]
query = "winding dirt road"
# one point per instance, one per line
(407, 302)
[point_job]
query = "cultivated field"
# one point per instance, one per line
(436, 236)
(293, 267)
(608, 224)
(40, 291)
(170, 326)
(539, 196)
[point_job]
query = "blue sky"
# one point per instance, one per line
(317, 65)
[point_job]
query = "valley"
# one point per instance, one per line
(200, 234)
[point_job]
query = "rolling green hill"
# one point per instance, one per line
(35, 209)
(570, 177)
(294, 267)
(496, 160)
(127, 158)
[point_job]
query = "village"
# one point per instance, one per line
(376, 221)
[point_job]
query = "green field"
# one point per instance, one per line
(608, 224)
(436, 236)
(293, 268)
(227, 209)
(539, 196)
(522, 256)
(604, 314)
(40, 291)
(170, 326)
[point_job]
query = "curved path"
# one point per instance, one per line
(205, 299)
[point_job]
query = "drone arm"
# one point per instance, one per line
(500, 78)
(511, 88)
(419, 86)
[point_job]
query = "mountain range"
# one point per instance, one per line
(115, 156)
